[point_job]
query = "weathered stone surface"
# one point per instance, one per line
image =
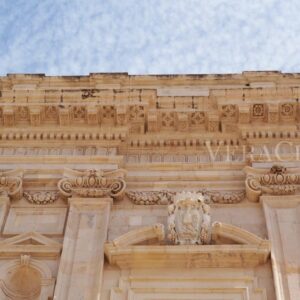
(91, 164)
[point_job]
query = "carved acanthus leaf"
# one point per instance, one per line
(11, 183)
(93, 183)
(150, 197)
(41, 198)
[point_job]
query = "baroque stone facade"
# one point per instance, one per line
(114, 187)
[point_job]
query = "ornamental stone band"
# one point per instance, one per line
(117, 186)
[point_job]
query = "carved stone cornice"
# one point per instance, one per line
(276, 181)
(41, 198)
(93, 183)
(11, 183)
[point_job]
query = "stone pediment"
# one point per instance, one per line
(242, 249)
(31, 243)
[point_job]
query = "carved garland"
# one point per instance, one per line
(164, 197)
(41, 198)
(226, 197)
(151, 197)
(93, 183)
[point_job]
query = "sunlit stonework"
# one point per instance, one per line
(189, 220)
(117, 186)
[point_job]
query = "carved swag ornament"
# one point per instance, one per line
(278, 181)
(165, 197)
(93, 183)
(41, 198)
(189, 220)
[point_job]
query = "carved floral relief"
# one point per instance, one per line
(41, 198)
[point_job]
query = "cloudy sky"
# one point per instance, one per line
(148, 36)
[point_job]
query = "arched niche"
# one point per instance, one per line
(26, 278)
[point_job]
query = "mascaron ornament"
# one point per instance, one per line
(189, 220)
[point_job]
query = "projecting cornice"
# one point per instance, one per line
(146, 111)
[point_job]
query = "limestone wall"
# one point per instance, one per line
(91, 167)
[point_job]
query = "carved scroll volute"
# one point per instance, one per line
(253, 189)
(11, 184)
(93, 183)
(276, 181)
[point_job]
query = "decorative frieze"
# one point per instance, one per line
(93, 183)
(59, 151)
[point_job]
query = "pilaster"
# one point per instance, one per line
(81, 265)
(283, 225)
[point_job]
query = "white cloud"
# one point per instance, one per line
(154, 36)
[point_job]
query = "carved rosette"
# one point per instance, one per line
(11, 183)
(93, 183)
(189, 220)
(277, 181)
(41, 198)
